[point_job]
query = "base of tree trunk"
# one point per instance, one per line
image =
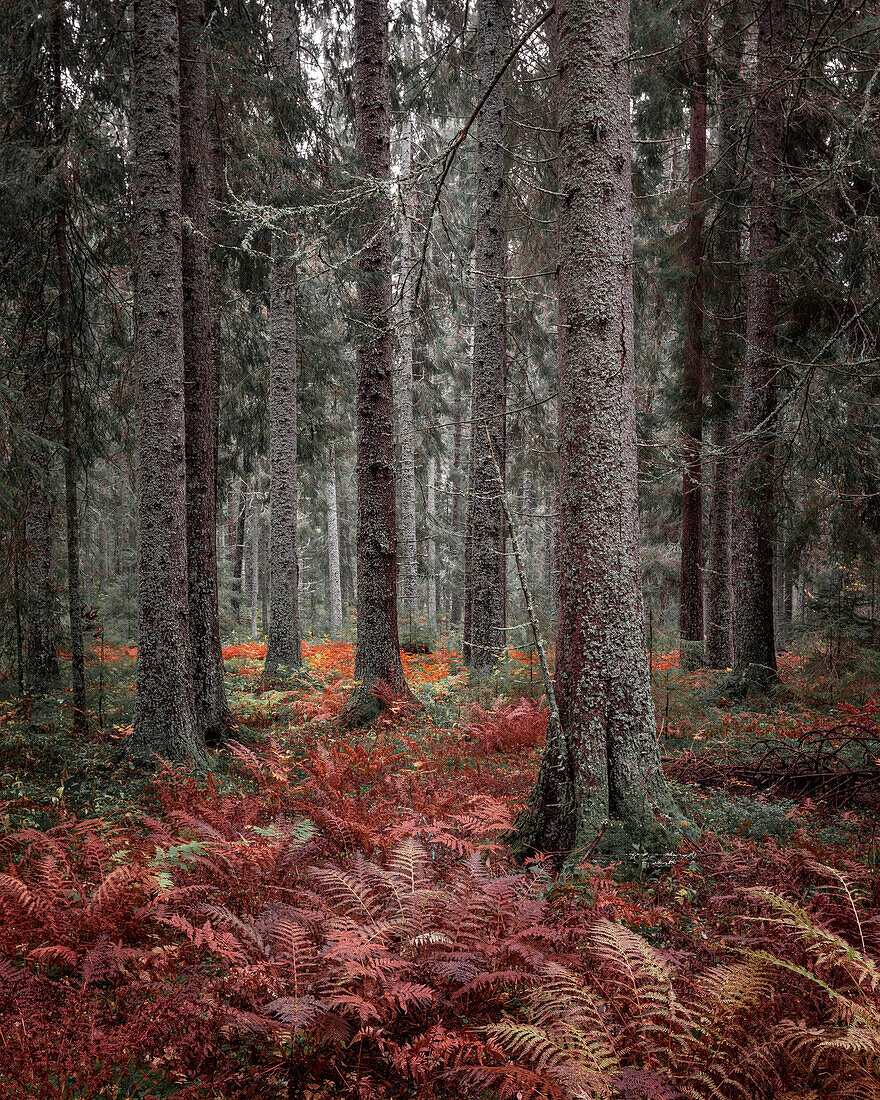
(692, 655)
(368, 701)
(748, 681)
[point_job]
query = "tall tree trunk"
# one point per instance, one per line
(408, 545)
(455, 489)
(377, 653)
(691, 593)
(754, 649)
(486, 579)
(432, 545)
(726, 359)
(254, 569)
(41, 664)
(201, 383)
(600, 784)
(333, 557)
(164, 721)
(284, 648)
(65, 349)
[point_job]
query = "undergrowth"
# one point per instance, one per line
(324, 916)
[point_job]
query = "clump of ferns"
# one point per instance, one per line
(754, 1028)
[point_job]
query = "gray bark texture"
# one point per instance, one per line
(164, 719)
(600, 784)
(377, 662)
(334, 569)
(408, 545)
(725, 368)
(200, 373)
(486, 577)
(754, 648)
(693, 366)
(432, 545)
(284, 648)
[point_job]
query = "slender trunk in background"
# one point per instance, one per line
(284, 648)
(230, 525)
(264, 578)
(691, 593)
(600, 785)
(726, 359)
(455, 489)
(432, 546)
(238, 560)
(200, 373)
(164, 719)
(377, 653)
(333, 559)
(754, 649)
(65, 350)
(408, 547)
(41, 663)
(254, 569)
(486, 579)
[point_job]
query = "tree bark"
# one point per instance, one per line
(432, 546)
(455, 489)
(408, 545)
(600, 784)
(726, 360)
(65, 349)
(164, 720)
(333, 556)
(284, 648)
(41, 663)
(200, 374)
(485, 580)
(691, 592)
(377, 652)
(754, 648)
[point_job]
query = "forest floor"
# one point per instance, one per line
(325, 914)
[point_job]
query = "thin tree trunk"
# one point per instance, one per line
(432, 546)
(238, 562)
(486, 580)
(726, 359)
(408, 546)
(333, 557)
(754, 647)
(691, 593)
(65, 348)
(377, 653)
(201, 383)
(284, 648)
(455, 489)
(254, 569)
(41, 664)
(600, 784)
(164, 720)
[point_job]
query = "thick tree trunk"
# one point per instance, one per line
(726, 360)
(600, 784)
(408, 545)
(485, 580)
(691, 593)
(432, 546)
(754, 649)
(333, 557)
(164, 720)
(201, 384)
(377, 653)
(284, 648)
